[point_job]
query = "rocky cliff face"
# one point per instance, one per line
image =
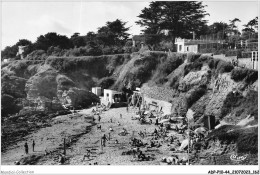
(191, 81)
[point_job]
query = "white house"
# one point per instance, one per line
(195, 46)
(96, 90)
(184, 45)
(21, 51)
(110, 95)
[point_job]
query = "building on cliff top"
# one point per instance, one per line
(195, 46)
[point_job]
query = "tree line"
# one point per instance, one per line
(177, 18)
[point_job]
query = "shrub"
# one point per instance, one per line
(232, 100)
(240, 74)
(192, 67)
(37, 55)
(196, 95)
(8, 105)
(211, 64)
(64, 83)
(252, 76)
(224, 66)
(191, 57)
(106, 82)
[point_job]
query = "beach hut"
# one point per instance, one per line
(112, 96)
(96, 90)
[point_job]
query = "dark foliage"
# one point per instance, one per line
(9, 105)
(196, 95)
(106, 82)
(240, 106)
(249, 75)
(224, 66)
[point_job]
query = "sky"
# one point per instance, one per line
(28, 20)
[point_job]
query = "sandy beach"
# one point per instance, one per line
(81, 134)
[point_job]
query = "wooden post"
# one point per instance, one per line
(64, 146)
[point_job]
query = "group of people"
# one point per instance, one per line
(26, 147)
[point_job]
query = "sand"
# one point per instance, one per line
(74, 127)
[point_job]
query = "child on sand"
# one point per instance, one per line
(33, 144)
(26, 148)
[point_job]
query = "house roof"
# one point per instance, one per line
(196, 42)
(139, 38)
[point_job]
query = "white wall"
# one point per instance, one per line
(96, 90)
(109, 95)
(166, 106)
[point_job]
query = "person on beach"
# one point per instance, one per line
(33, 145)
(127, 108)
(104, 139)
(26, 148)
(99, 118)
(121, 116)
(111, 120)
(156, 121)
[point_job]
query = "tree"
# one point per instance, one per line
(11, 51)
(180, 18)
(25, 42)
(77, 40)
(52, 39)
(251, 26)
(233, 26)
(114, 33)
(90, 37)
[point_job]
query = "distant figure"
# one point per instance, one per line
(87, 155)
(156, 121)
(33, 145)
(155, 131)
(111, 120)
(116, 142)
(118, 123)
(61, 159)
(121, 116)
(99, 127)
(99, 118)
(26, 148)
(104, 139)
(127, 108)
